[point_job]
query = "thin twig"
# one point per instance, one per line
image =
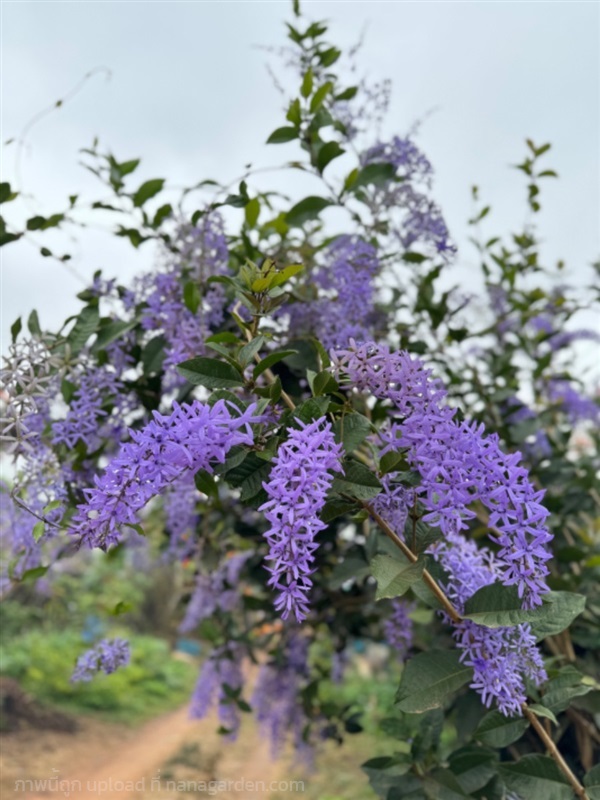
(554, 752)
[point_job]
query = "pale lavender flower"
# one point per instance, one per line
(220, 681)
(398, 627)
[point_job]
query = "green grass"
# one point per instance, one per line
(43, 661)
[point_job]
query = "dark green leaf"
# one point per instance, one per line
(473, 767)
(86, 325)
(307, 84)
(34, 573)
(348, 93)
(374, 174)
(111, 332)
(248, 351)
(592, 783)
(15, 329)
(319, 96)
(283, 135)
(497, 606)
(33, 324)
(191, 296)
(163, 213)
(210, 372)
(205, 483)
(394, 577)
(496, 730)
(327, 153)
(305, 210)
(351, 429)
(429, 678)
(270, 360)
(248, 476)
(336, 507)
(147, 190)
(6, 193)
(357, 481)
(153, 355)
(251, 212)
(536, 777)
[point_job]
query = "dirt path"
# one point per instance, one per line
(169, 757)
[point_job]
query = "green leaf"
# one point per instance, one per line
(319, 96)
(248, 476)
(542, 711)
(270, 360)
(441, 784)
(305, 210)
(352, 567)
(111, 332)
(248, 351)
(564, 687)
(153, 355)
(496, 730)
(336, 507)
(15, 329)
(348, 93)
(6, 193)
(127, 167)
(329, 56)
(251, 212)
(592, 783)
(121, 608)
(497, 606)
(283, 275)
(191, 296)
(283, 135)
(394, 577)
(310, 409)
(429, 678)
(162, 213)
(205, 483)
(34, 573)
(210, 372)
(327, 153)
(86, 325)
(307, 84)
(374, 174)
(473, 767)
(38, 530)
(351, 429)
(33, 324)
(357, 481)
(294, 114)
(147, 190)
(536, 778)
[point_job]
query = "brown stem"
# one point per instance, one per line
(427, 577)
(554, 752)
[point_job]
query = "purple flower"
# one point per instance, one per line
(216, 591)
(276, 701)
(347, 312)
(501, 658)
(402, 153)
(458, 464)
(192, 437)
(297, 488)
(398, 627)
(220, 680)
(576, 406)
(107, 656)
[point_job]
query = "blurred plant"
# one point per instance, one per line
(263, 388)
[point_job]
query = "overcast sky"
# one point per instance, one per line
(190, 95)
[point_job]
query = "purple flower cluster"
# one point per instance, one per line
(404, 155)
(276, 701)
(398, 627)
(220, 680)
(107, 656)
(297, 488)
(458, 465)
(200, 253)
(501, 658)
(215, 592)
(87, 420)
(577, 406)
(181, 518)
(192, 437)
(347, 311)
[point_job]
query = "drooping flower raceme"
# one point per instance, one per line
(458, 464)
(398, 627)
(107, 656)
(217, 591)
(501, 658)
(276, 701)
(192, 437)
(297, 488)
(220, 680)
(347, 312)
